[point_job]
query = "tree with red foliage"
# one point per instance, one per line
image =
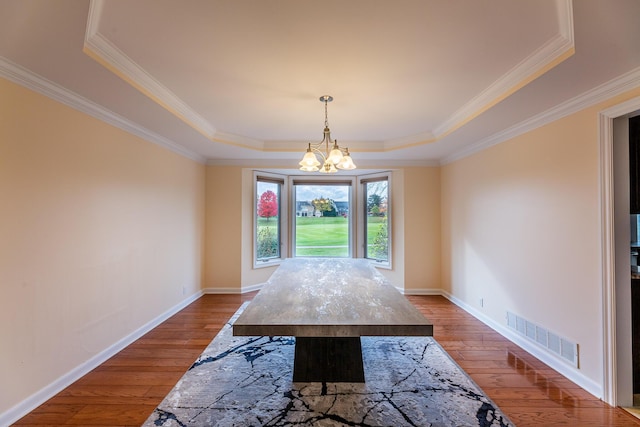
(268, 204)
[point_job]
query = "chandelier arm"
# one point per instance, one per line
(315, 150)
(315, 147)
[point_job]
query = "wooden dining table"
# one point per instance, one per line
(327, 304)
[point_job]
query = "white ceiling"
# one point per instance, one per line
(413, 81)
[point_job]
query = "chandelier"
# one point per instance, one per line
(332, 157)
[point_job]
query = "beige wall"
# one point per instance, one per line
(223, 228)
(422, 243)
(521, 230)
(100, 232)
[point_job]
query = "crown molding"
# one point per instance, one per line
(565, 19)
(23, 77)
(410, 141)
(98, 47)
(547, 56)
(239, 141)
(539, 62)
(617, 86)
(291, 164)
(301, 146)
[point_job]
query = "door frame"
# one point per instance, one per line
(611, 391)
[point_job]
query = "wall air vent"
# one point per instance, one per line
(553, 343)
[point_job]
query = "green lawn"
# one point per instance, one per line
(373, 225)
(323, 231)
(325, 236)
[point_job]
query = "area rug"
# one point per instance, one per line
(247, 381)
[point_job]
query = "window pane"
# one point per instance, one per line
(267, 220)
(377, 220)
(322, 220)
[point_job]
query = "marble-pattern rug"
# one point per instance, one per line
(247, 381)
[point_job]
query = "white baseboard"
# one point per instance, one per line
(424, 292)
(32, 402)
(234, 291)
(35, 400)
(531, 347)
(534, 349)
(251, 288)
(214, 291)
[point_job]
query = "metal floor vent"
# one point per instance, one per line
(564, 348)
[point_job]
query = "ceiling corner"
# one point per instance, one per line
(107, 54)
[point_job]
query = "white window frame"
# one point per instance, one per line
(357, 210)
(362, 209)
(322, 180)
(283, 217)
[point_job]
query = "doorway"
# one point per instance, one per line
(633, 125)
(616, 228)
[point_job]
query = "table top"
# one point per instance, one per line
(330, 297)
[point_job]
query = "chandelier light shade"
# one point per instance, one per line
(326, 156)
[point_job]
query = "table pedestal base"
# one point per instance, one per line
(330, 359)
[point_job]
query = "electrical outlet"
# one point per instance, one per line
(184, 290)
(481, 302)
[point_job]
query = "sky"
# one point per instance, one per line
(310, 192)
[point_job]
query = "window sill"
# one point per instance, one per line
(267, 263)
(381, 264)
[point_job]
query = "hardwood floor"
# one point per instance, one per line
(124, 390)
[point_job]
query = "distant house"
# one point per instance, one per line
(304, 208)
(343, 208)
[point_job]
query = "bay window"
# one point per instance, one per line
(305, 216)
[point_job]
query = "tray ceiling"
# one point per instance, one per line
(412, 80)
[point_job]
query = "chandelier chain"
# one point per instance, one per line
(326, 115)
